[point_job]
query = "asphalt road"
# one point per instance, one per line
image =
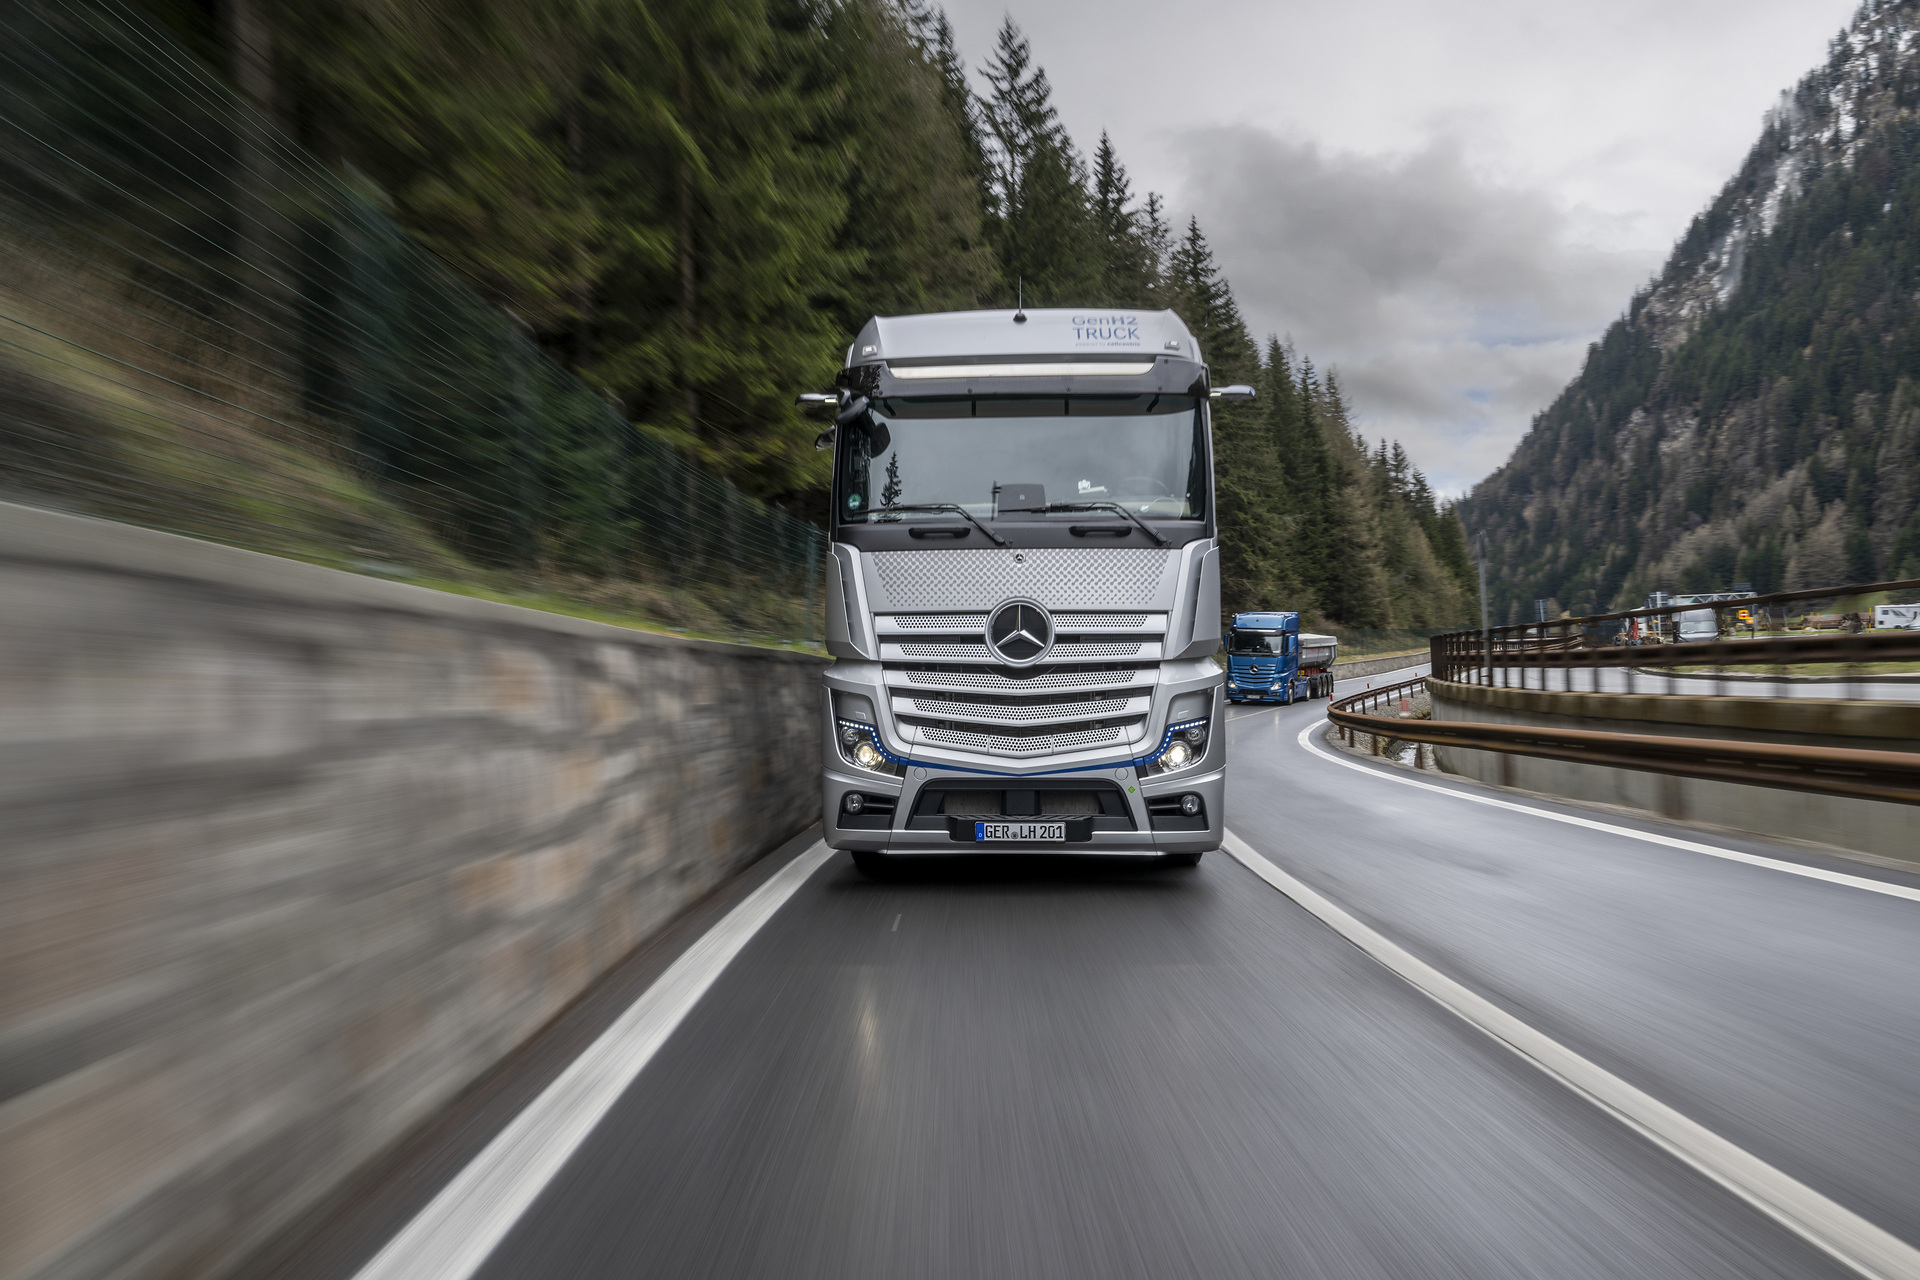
(1088, 1071)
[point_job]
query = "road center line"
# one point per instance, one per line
(1891, 890)
(1827, 1225)
(452, 1236)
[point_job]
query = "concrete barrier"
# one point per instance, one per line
(1874, 827)
(289, 856)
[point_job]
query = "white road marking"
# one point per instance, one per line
(453, 1235)
(896, 924)
(1830, 1227)
(1908, 892)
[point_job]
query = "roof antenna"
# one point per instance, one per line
(1019, 301)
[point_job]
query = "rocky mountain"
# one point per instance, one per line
(1755, 415)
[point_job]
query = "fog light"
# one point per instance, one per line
(868, 756)
(849, 734)
(1189, 804)
(855, 802)
(1177, 756)
(1196, 735)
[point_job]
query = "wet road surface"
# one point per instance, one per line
(1069, 1070)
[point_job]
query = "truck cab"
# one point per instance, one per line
(1269, 659)
(1024, 599)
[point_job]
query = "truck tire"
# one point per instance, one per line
(875, 866)
(1183, 859)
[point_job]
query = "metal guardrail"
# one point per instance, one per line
(1638, 638)
(1841, 771)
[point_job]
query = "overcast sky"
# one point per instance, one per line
(1445, 201)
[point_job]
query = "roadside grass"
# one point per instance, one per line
(117, 405)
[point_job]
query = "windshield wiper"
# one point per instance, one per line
(954, 507)
(1111, 506)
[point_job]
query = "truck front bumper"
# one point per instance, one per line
(1144, 841)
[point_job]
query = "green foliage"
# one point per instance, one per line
(692, 203)
(1041, 218)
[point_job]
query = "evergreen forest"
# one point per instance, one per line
(692, 205)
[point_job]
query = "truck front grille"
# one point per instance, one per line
(947, 690)
(959, 709)
(1031, 744)
(1065, 651)
(997, 681)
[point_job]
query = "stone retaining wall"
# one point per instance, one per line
(289, 856)
(1868, 826)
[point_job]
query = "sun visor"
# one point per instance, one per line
(1029, 378)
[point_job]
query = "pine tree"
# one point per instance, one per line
(1202, 297)
(914, 237)
(1127, 267)
(711, 318)
(459, 113)
(934, 33)
(1156, 236)
(1041, 219)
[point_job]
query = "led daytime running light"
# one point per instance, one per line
(872, 736)
(1166, 740)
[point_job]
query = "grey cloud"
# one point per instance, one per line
(1455, 306)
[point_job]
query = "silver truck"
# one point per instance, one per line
(1024, 599)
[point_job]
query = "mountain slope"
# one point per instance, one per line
(1755, 416)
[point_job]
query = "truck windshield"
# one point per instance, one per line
(1255, 642)
(1026, 458)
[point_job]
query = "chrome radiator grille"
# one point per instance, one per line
(1095, 687)
(1094, 690)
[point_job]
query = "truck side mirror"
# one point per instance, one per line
(859, 413)
(816, 400)
(1238, 391)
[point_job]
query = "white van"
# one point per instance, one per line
(1697, 624)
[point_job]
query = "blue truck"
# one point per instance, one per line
(1269, 659)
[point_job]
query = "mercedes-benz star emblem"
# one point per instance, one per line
(1019, 633)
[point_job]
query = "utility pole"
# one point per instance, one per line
(1486, 632)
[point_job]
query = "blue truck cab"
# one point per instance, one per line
(1269, 659)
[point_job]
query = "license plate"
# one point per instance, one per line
(1020, 831)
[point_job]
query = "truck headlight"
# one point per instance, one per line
(860, 747)
(1181, 748)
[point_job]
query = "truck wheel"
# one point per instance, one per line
(875, 866)
(1183, 859)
